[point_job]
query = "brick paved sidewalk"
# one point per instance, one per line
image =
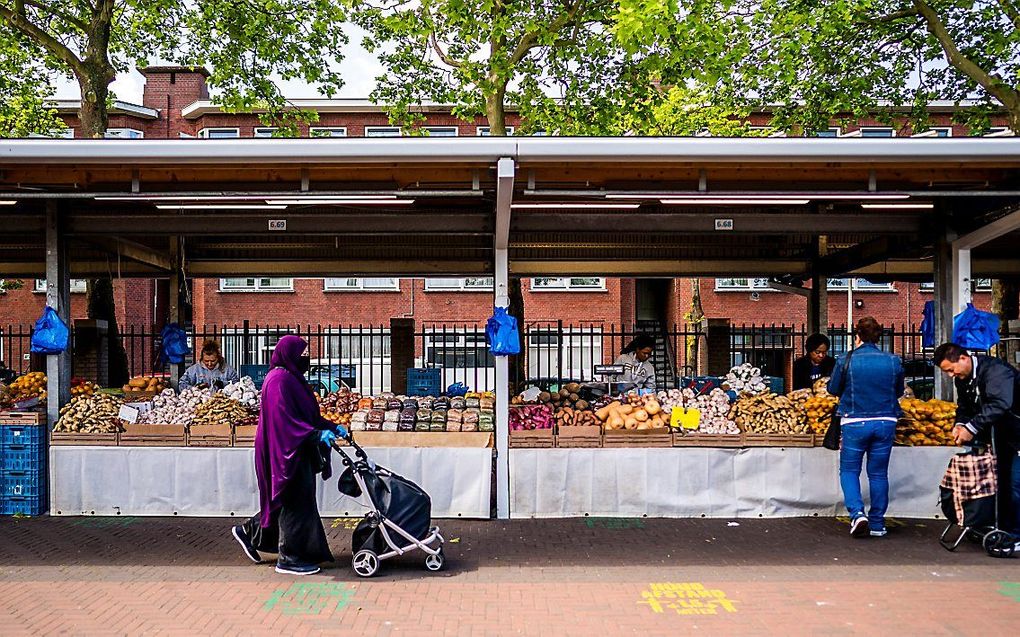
(128, 576)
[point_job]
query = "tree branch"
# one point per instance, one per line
(530, 40)
(63, 15)
(43, 38)
(447, 60)
(1012, 12)
(896, 15)
(1009, 96)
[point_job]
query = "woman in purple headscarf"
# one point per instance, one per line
(292, 444)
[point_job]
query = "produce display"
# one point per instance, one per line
(530, 417)
(570, 417)
(566, 397)
(31, 385)
(245, 392)
(145, 384)
(169, 408)
(221, 410)
(389, 412)
(820, 409)
(746, 379)
(715, 412)
(926, 423)
(97, 414)
(768, 413)
(82, 387)
(636, 414)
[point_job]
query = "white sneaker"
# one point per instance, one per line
(859, 526)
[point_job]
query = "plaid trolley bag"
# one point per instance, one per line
(967, 497)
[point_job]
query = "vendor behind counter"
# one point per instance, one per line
(211, 369)
(814, 364)
(639, 373)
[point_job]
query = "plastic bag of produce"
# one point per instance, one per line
(390, 425)
(486, 404)
(392, 416)
(439, 416)
(501, 333)
(426, 402)
(472, 403)
(453, 425)
(410, 403)
(471, 416)
(424, 414)
(455, 415)
(457, 402)
(365, 403)
(457, 389)
(422, 425)
(469, 426)
(441, 404)
(379, 403)
(975, 329)
(50, 335)
(394, 405)
(174, 348)
(486, 422)
(376, 416)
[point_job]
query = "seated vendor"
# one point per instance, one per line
(638, 372)
(815, 364)
(211, 369)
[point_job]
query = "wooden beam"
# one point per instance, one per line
(133, 251)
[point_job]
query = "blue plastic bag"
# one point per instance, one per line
(501, 332)
(51, 334)
(974, 329)
(456, 389)
(174, 348)
(928, 325)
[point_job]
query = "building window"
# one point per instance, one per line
(458, 351)
(937, 131)
(980, 285)
(219, 133)
(460, 285)
(832, 131)
(322, 131)
(377, 284)
(568, 283)
(382, 131)
(123, 133)
(265, 132)
(483, 131)
(440, 131)
(877, 131)
(860, 285)
(741, 285)
(78, 286)
(999, 131)
(256, 284)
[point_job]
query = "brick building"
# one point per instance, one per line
(176, 105)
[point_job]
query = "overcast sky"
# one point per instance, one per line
(359, 69)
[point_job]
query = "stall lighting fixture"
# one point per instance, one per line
(705, 201)
(897, 206)
(239, 206)
(575, 206)
(785, 195)
(7, 202)
(228, 198)
(306, 201)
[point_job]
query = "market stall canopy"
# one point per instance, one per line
(420, 206)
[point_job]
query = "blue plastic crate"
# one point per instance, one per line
(27, 484)
(23, 458)
(22, 435)
(23, 506)
(423, 382)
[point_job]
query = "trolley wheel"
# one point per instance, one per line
(998, 544)
(365, 563)
(435, 562)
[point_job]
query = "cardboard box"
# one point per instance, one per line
(244, 435)
(153, 436)
(210, 436)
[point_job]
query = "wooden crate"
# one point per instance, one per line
(659, 437)
(532, 439)
(153, 436)
(244, 435)
(66, 439)
(778, 440)
(754, 440)
(707, 440)
(585, 437)
(22, 418)
(210, 436)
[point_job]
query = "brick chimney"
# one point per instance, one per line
(170, 89)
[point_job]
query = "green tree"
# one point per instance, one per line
(24, 88)
(245, 43)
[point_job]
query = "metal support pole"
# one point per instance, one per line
(818, 297)
(944, 303)
(504, 197)
(58, 296)
(176, 300)
(961, 277)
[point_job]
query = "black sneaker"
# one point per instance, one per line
(859, 527)
(297, 569)
(242, 538)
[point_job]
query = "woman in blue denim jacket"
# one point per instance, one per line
(869, 383)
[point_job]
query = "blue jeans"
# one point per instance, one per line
(874, 438)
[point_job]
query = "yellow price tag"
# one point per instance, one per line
(684, 418)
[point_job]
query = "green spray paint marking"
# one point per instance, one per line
(1010, 589)
(309, 598)
(105, 522)
(614, 524)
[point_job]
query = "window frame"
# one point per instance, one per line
(431, 129)
(260, 129)
(360, 286)
(857, 287)
(139, 134)
(866, 129)
(312, 130)
(369, 130)
(204, 132)
(430, 285)
(836, 131)
(479, 131)
(78, 286)
(568, 285)
(257, 288)
(752, 285)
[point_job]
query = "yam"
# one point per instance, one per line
(653, 407)
(640, 415)
(630, 423)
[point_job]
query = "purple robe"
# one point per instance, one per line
(288, 418)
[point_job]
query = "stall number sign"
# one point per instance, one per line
(686, 598)
(724, 224)
(608, 370)
(129, 414)
(680, 417)
(278, 224)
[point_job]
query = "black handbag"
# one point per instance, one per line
(835, 430)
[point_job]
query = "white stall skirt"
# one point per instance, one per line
(168, 481)
(715, 483)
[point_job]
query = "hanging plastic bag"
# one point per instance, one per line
(456, 389)
(501, 332)
(974, 329)
(51, 334)
(928, 325)
(174, 348)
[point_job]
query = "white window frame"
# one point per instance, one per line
(442, 129)
(383, 131)
(124, 133)
(860, 132)
(329, 130)
(483, 131)
(205, 132)
(67, 133)
(567, 284)
(934, 132)
(999, 131)
(352, 284)
(980, 285)
(257, 286)
(461, 285)
(749, 285)
(78, 286)
(858, 286)
(260, 131)
(835, 130)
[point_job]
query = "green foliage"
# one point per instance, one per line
(24, 86)
(11, 284)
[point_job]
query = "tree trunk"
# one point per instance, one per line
(95, 89)
(101, 306)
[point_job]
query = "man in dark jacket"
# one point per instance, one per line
(988, 404)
